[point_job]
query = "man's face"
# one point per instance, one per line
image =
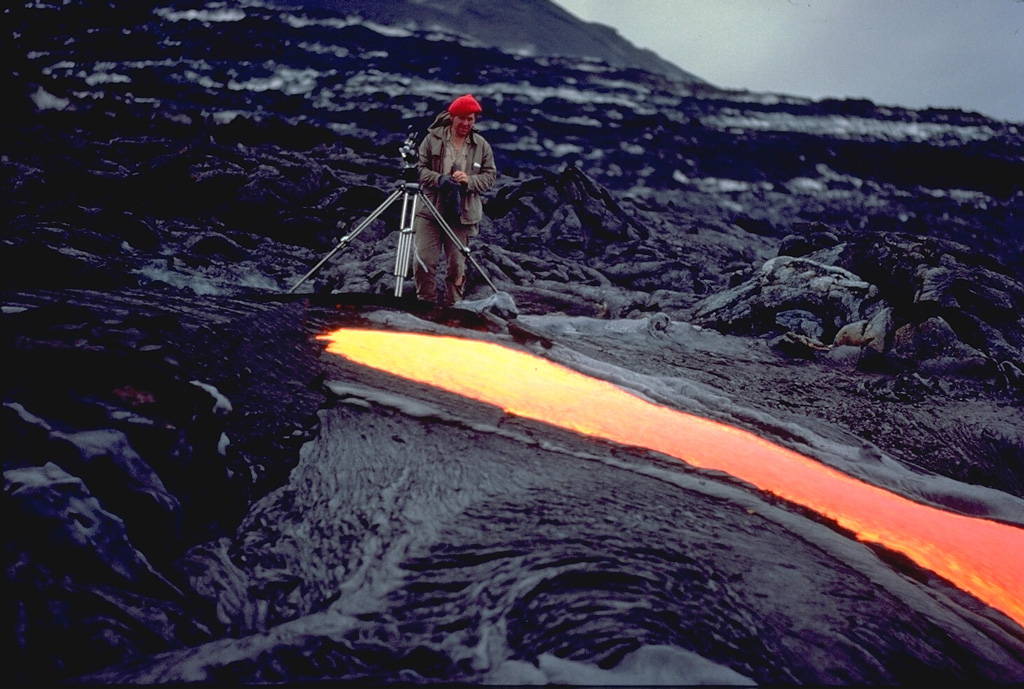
(462, 124)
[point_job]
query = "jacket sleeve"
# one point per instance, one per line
(427, 176)
(483, 179)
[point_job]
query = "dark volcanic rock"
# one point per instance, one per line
(150, 433)
(169, 170)
(565, 213)
(71, 560)
(973, 296)
(829, 295)
(551, 31)
(920, 300)
(813, 238)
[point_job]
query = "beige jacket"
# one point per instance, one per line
(482, 172)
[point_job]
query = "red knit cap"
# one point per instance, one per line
(464, 105)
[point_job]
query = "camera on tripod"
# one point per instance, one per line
(411, 193)
(408, 150)
(410, 156)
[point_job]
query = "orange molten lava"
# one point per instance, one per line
(981, 557)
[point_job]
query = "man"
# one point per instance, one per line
(456, 164)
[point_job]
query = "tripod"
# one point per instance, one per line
(410, 192)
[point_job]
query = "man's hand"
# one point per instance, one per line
(460, 177)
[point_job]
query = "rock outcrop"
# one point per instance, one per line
(799, 294)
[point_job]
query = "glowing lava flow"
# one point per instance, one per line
(981, 557)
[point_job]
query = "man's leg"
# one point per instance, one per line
(455, 277)
(427, 242)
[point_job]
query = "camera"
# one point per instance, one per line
(410, 156)
(408, 151)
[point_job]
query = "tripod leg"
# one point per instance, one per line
(405, 239)
(349, 237)
(455, 239)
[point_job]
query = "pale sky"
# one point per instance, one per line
(966, 54)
